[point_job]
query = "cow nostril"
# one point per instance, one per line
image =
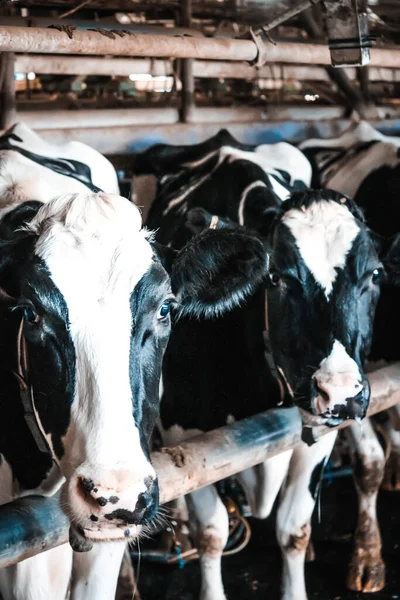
(85, 485)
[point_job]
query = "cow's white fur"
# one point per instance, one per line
(294, 514)
(96, 253)
(324, 233)
(43, 577)
(357, 133)
(95, 573)
(339, 376)
(22, 179)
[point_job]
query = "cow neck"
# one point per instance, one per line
(275, 369)
(277, 372)
(27, 395)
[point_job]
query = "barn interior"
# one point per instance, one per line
(123, 75)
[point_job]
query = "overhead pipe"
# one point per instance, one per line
(52, 41)
(31, 525)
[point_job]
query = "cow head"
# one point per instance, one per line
(91, 295)
(323, 286)
(324, 276)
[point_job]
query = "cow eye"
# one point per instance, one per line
(274, 278)
(164, 310)
(377, 275)
(30, 315)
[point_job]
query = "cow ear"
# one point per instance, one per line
(261, 210)
(12, 224)
(165, 255)
(216, 271)
(392, 261)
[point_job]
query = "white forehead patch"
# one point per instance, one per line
(94, 247)
(324, 233)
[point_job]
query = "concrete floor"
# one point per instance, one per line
(255, 572)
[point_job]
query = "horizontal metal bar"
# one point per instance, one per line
(275, 124)
(32, 524)
(29, 526)
(90, 65)
(52, 41)
(113, 117)
(105, 118)
(123, 67)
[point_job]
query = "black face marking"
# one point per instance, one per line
(146, 358)
(50, 352)
(64, 166)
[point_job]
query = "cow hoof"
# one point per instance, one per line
(391, 479)
(366, 575)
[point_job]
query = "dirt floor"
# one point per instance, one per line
(255, 572)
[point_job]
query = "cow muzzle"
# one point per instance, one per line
(110, 505)
(341, 398)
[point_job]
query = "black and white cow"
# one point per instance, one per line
(364, 163)
(85, 317)
(321, 260)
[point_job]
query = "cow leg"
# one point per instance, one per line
(295, 509)
(391, 481)
(42, 577)
(262, 483)
(95, 573)
(367, 570)
(127, 584)
(211, 530)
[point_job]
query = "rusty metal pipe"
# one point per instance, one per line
(31, 525)
(52, 41)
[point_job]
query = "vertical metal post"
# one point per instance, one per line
(7, 90)
(187, 94)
